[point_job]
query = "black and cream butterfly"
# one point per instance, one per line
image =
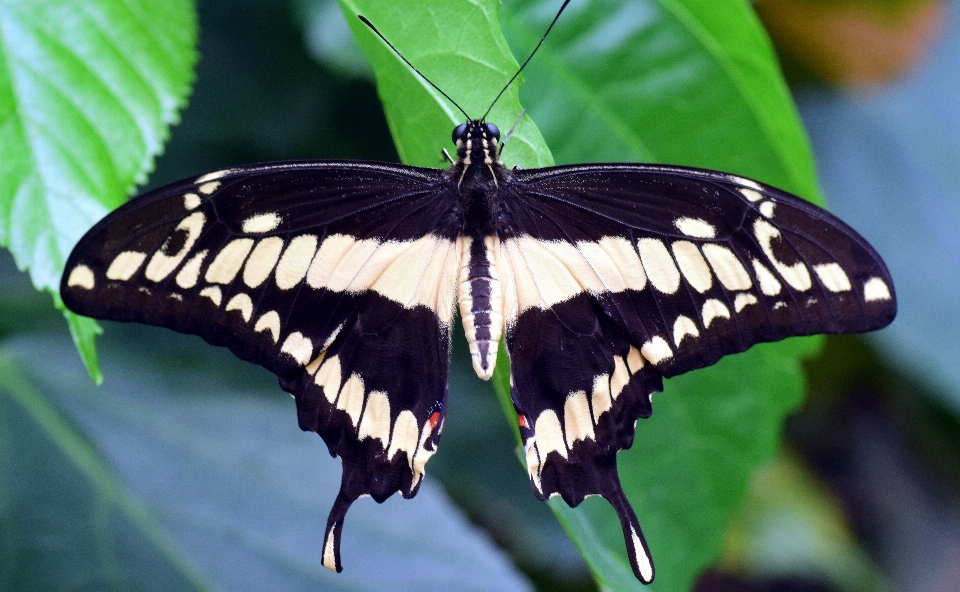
(342, 277)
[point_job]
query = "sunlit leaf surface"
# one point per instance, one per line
(87, 93)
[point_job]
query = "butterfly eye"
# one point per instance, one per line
(493, 131)
(459, 132)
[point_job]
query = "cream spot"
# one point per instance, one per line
(745, 182)
(533, 463)
(262, 260)
(766, 208)
(329, 551)
(875, 289)
(779, 304)
(329, 377)
(769, 284)
(191, 201)
(208, 187)
(634, 360)
(338, 261)
(713, 309)
(300, 348)
(228, 261)
(212, 176)
(692, 265)
(695, 227)
(750, 194)
(81, 276)
(424, 273)
(333, 335)
(682, 327)
(796, 275)
(411, 273)
(549, 434)
(376, 418)
(189, 274)
(656, 350)
(576, 419)
(161, 264)
(406, 435)
(743, 300)
(125, 265)
(643, 560)
(351, 398)
(659, 265)
(727, 266)
(313, 366)
(620, 378)
(615, 262)
(833, 277)
(422, 455)
(293, 266)
(213, 293)
(269, 321)
(261, 223)
(545, 273)
(242, 303)
(601, 400)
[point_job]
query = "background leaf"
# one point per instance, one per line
(87, 93)
(192, 492)
(891, 168)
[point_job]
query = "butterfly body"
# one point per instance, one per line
(343, 277)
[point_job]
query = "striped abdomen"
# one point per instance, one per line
(481, 304)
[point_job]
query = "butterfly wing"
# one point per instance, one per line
(619, 275)
(339, 277)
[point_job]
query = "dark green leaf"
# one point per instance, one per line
(142, 484)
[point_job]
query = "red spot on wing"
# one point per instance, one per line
(522, 420)
(433, 420)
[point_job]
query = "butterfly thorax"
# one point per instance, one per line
(479, 174)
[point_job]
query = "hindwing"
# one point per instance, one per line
(339, 277)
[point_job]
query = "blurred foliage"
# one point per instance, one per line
(179, 471)
(856, 44)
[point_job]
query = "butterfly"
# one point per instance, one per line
(343, 278)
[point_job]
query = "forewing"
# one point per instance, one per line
(617, 275)
(337, 276)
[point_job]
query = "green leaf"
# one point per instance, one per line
(692, 83)
(88, 91)
(64, 517)
(179, 473)
(458, 45)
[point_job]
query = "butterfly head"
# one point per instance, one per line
(478, 142)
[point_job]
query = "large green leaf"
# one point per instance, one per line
(88, 90)
(692, 83)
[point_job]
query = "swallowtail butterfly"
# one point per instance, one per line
(602, 279)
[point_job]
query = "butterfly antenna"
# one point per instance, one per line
(509, 82)
(414, 68)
